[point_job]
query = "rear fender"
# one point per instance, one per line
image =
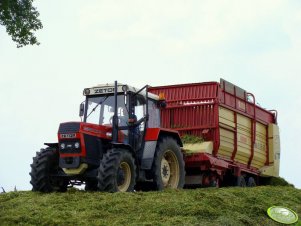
(152, 136)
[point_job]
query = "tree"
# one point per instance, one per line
(21, 21)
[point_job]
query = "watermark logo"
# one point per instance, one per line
(282, 215)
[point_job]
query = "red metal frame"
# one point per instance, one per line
(204, 161)
(194, 109)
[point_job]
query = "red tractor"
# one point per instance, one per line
(118, 145)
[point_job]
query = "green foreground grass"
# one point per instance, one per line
(223, 206)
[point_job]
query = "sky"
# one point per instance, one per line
(254, 44)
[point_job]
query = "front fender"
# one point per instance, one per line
(122, 145)
(154, 134)
(52, 145)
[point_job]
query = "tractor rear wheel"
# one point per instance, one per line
(44, 164)
(117, 171)
(168, 166)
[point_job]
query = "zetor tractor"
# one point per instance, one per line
(118, 145)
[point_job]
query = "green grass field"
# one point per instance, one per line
(212, 206)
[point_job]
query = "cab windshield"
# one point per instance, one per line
(100, 109)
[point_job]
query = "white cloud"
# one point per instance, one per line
(186, 24)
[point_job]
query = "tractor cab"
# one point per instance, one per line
(125, 112)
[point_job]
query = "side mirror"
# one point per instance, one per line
(161, 104)
(81, 109)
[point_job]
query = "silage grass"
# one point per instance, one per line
(223, 206)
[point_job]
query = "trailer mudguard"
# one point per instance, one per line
(152, 136)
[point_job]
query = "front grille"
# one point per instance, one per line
(69, 127)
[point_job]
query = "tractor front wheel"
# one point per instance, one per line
(168, 166)
(45, 165)
(117, 171)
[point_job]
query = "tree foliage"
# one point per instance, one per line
(21, 21)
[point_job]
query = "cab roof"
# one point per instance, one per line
(109, 88)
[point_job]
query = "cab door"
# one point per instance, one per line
(138, 114)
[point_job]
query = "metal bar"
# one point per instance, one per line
(195, 128)
(216, 132)
(115, 117)
(253, 130)
(267, 147)
(235, 137)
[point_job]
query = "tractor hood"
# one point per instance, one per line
(72, 130)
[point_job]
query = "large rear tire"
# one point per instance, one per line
(117, 171)
(168, 167)
(44, 165)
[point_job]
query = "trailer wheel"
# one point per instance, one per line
(168, 166)
(214, 180)
(44, 164)
(117, 171)
(241, 182)
(251, 182)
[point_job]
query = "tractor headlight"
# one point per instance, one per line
(62, 146)
(76, 145)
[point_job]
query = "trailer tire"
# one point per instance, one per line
(241, 182)
(117, 171)
(45, 163)
(168, 168)
(251, 182)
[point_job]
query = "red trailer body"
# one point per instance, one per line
(240, 131)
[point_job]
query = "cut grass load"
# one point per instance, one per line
(190, 139)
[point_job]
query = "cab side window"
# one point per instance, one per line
(154, 114)
(140, 110)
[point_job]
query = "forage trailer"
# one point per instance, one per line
(240, 143)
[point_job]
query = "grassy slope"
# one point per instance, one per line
(224, 206)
